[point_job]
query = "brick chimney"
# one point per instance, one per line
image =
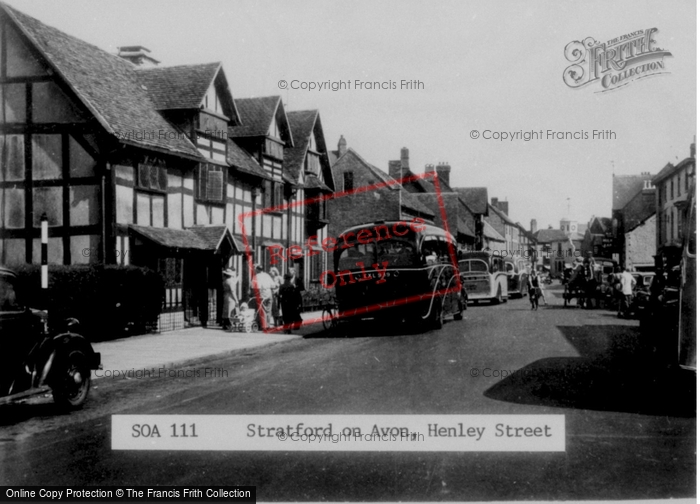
(429, 168)
(395, 169)
(138, 55)
(533, 226)
(501, 205)
(342, 146)
(404, 159)
(443, 171)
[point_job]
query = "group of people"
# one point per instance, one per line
(279, 297)
(585, 281)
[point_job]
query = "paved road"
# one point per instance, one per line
(630, 431)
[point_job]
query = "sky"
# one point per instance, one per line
(483, 66)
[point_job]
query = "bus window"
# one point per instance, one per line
(360, 252)
(510, 268)
(496, 264)
(478, 266)
(395, 252)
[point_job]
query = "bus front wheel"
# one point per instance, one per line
(436, 318)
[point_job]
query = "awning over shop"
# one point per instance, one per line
(204, 238)
(312, 182)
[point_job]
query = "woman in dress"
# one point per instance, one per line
(230, 297)
(290, 300)
(277, 278)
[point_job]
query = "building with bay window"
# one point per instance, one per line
(134, 163)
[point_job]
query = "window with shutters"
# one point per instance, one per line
(152, 177)
(211, 183)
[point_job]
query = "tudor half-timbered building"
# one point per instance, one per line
(307, 165)
(292, 151)
(131, 163)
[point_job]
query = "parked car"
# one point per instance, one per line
(31, 358)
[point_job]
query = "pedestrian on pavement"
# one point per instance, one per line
(627, 282)
(296, 280)
(290, 299)
(265, 286)
(230, 288)
(277, 278)
(540, 291)
(533, 288)
(590, 270)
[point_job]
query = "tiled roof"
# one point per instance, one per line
(240, 159)
(213, 236)
(107, 85)
(502, 215)
(194, 238)
(171, 238)
(256, 115)
(178, 87)
(552, 235)
(669, 170)
(301, 124)
(408, 200)
(476, 198)
(312, 182)
(455, 211)
(625, 187)
(491, 233)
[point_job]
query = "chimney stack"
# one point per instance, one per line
(443, 171)
(342, 146)
(692, 149)
(404, 159)
(429, 168)
(494, 202)
(395, 170)
(138, 55)
(533, 226)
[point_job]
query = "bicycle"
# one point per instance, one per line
(329, 316)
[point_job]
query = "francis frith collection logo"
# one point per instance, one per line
(615, 63)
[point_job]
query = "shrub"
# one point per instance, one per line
(109, 301)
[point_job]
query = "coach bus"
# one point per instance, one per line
(484, 277)
(396, 270)
(517, 270)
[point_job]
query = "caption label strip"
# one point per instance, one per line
(430, 433)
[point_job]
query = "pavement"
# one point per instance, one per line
(172, 348)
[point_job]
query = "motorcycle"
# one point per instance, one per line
(33, 359)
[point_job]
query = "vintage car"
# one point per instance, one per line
(32, 359)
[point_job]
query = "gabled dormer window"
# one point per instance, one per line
(274, 129)
(312, 164)
(212, 101)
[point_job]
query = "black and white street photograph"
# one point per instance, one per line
(348, 251)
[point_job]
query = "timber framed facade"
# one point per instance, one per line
(138, 164)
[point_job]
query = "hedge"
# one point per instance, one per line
(109, 301)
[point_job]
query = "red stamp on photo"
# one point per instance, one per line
(401, 269)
